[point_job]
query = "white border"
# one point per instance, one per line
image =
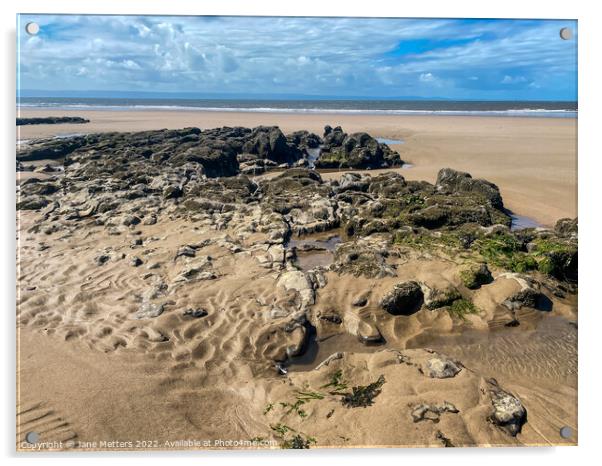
(590, 183)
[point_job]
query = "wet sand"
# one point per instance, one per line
(91, 370)
(532, 160)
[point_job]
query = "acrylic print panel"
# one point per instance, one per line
(249, 232)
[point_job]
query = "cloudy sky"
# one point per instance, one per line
(330, 57)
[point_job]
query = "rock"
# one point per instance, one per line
(527, 297)
(366, 331)
(148, 311)
(435, 298)
(363, 257)
(476, 275)
(50, 120)
(172, 192)
(269, 143)
(185, 251)
(432, 412)
(136, 242)
(304, 140)
(130, 220)
(404, 299)
(452, 180)
(32, 203)
(298, 281)
(136, 261)
(358, 150)
(508, 412)
(101, 259)
(441, 367)
(566, 227)
(154, 292)
(196, 313)
(150, 220)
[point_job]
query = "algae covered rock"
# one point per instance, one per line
(452, 180)
(404, 299)
(476, 275)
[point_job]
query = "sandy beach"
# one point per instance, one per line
(162, 301)
(532, 160)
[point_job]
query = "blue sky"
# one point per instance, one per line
(336, 57)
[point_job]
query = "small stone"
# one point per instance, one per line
(196, 313)
(185, 251)
(130, 220)
(148, 311)
(136, 261)
(432, 412)
(103, 258)
(440, 367)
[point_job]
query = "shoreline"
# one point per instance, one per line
(532, 160)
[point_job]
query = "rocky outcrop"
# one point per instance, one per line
(268, 142)
(50, 120)
(453, 181)
(357, 150)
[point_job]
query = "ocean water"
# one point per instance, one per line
(546, 109)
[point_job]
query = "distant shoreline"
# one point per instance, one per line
(531, 109)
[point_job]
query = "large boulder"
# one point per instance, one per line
(455, 181)
(268, 142)
(357, 150)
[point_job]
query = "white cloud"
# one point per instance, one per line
(289, 55)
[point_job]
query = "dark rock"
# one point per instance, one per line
(172, 192)
(476, 275)
(101, 259)
(358, 150)
(136, 262)
(405, 299)
(50, 120)
(269, 143)
(528, 297)
(452, 181)
(196, 313)
(566, 227)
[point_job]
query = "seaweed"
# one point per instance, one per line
(363, 396)
(336, 383)
(298, 442)
(461, 308)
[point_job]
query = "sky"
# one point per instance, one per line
(322, 57)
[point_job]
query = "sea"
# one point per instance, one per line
(547, 109)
